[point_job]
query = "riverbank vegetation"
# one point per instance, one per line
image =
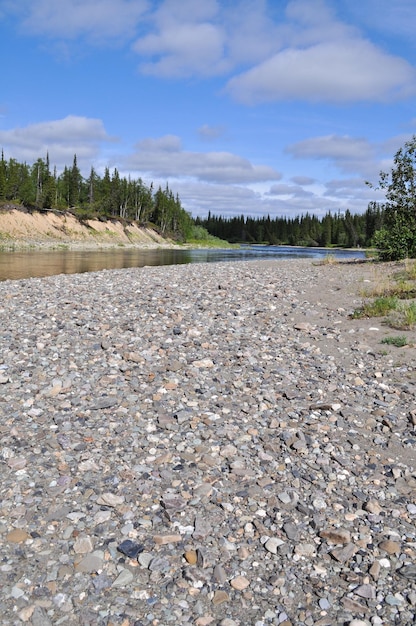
(111, 196)
(333, 230)
(39, 186)
(390, 227)
(393, 298)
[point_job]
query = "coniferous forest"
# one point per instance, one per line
(110, 196)
(38, 186)
(338, 229)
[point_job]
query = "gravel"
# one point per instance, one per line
(205, 444)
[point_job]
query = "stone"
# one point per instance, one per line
(124, 578)
(162, 540)
(407, 571)
(130, 548)
(191, 557)
(336, 535)
(143, 487)
(219, 574)
(372, 506)
(240, 583)
(343, 555)
(83, 545)
(90, 563)
(273, 544)
(17, 536)
(391, 547)
(366, 591)
(220, 597)
(110, 499)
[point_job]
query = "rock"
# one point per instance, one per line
(191, 557)
(336, 535)
(407, 571)
(110, 499)
(305, 549)
(90, 563)
(372, 506)
(130, 548)
(366, 591)
(137, 485)
(240, 583)
(220, 575)
(203, 363)
(162, 540)
(343, 555)
(124, 578)
(391, 547)
(83, 545)
(17, 536)
(220, 597)
(273, 544)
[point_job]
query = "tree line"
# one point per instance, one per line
(389, 226)
(339, 229)
(38, 186)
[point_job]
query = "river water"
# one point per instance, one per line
(35, 263)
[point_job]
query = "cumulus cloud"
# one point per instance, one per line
(164, 157)
(99, 20)
(303, 180)
(334, 72)
(183, 40)
(60, 138)
(349, 154)
(319, 58)
(230, 200)
(285, 189)
(299, 50)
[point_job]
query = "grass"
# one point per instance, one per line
(329, 259)
(399, 341)
(210, 242)
(393, 296)
(404, 318)
(377, 308)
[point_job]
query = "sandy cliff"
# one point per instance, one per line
(48, 228)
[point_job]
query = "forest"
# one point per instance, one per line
(38, 186)
(339, 229)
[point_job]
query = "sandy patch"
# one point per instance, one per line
(49, 229)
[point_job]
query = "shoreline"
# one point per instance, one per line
(205, 444)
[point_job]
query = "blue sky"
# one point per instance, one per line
(242, 106)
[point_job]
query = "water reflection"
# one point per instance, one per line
(28, 264)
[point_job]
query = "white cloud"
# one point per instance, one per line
(303, 180)
(231, 200)
(285, 189)
(61, 138)
(347, 153)
(99, 20)
(164, 157)
(298, 50)
(335, 72)
(184, 40)
(331, 147)
(209, 133)
(167, 143)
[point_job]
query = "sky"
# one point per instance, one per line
(254, 107)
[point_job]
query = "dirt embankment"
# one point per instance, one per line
(23, 228)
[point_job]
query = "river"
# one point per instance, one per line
(16, 265)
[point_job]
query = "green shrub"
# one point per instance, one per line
(398, 341)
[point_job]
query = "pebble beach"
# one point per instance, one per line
(210, 444)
